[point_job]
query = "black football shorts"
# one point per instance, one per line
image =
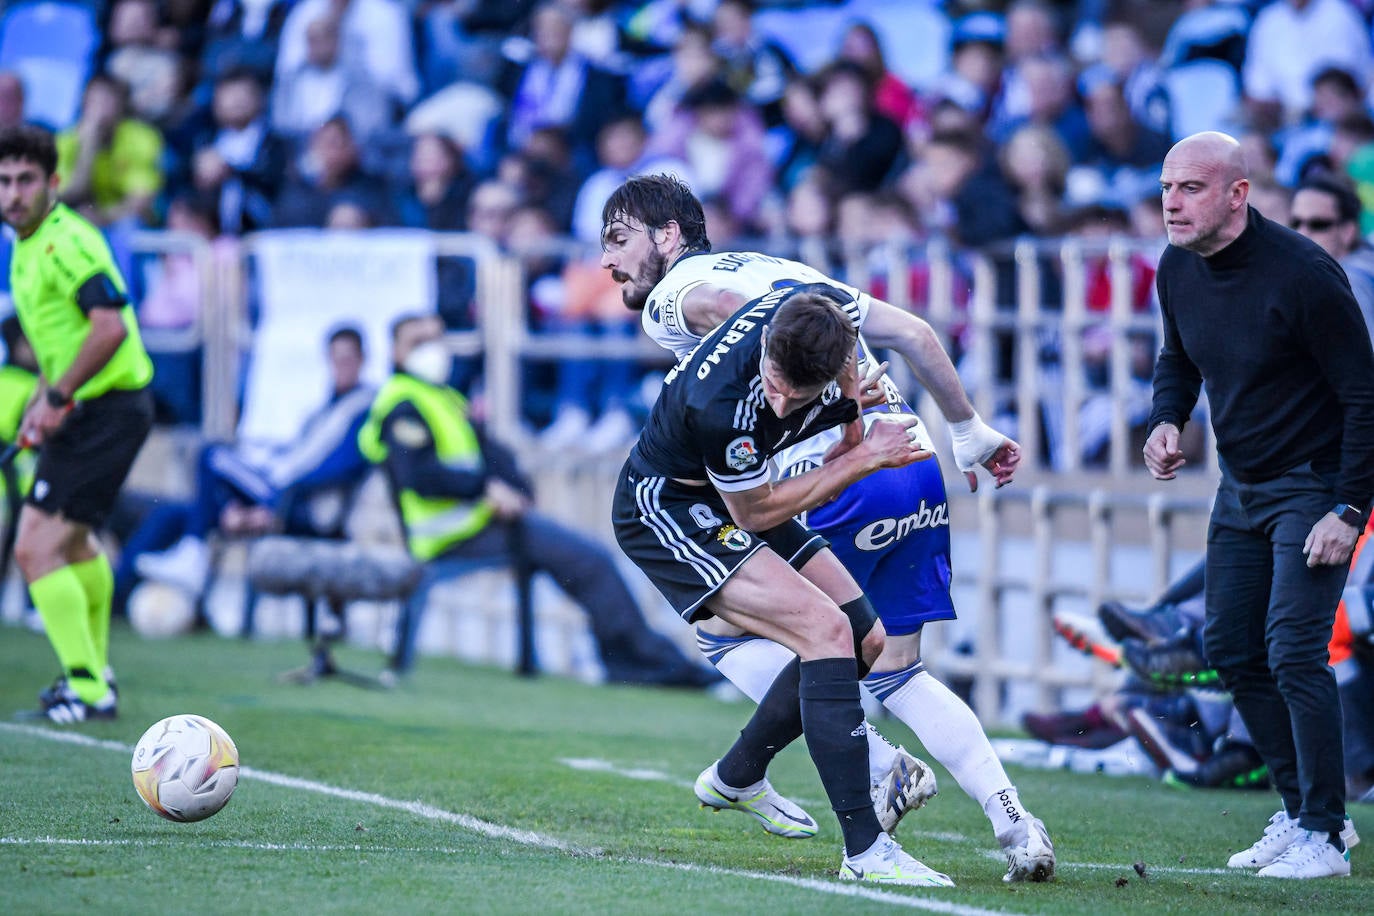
(683, 539)
(82, 466)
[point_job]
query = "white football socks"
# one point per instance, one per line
(953, 735)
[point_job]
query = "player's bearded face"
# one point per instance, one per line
(631, 254)
(635, 293)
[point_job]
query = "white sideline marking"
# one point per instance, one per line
(498, 831)
(223, 844)
(594, 765)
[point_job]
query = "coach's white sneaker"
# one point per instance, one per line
(887, 863)
(779, 816)
(1310, 855)
(186, 564)
(908, 784)
(1030, 857)
(1278, 836)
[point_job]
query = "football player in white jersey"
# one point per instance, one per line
(891, 530)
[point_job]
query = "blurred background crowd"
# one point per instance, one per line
(807, 127)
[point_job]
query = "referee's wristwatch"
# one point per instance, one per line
(57, 399)
(1352, 516)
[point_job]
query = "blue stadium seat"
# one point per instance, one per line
(51, 45)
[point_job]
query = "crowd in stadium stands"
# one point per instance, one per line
(804, 126)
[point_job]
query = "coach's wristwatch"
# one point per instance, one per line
(57, 399)
(1350, 515)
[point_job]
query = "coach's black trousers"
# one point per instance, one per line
(1269, 620)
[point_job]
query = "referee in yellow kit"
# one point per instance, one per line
(89, 417)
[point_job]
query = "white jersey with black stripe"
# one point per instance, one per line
(747, 273)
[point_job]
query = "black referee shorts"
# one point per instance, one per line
(83, 465)
(683, 539)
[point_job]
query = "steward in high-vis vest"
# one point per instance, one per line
(461, 495)
(437, 510)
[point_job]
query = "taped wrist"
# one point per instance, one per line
(973, 442)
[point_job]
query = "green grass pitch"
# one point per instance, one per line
(469, 790)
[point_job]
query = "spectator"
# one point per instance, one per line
(797, 140)
(621, 151)
(1336, 95)
(1272, 199)
(11, 99)
(722, 141)
(892, 98)
(558, 87)
(461, 39)
(809, 219)
(376, 39)
(976, 63)
(1045, 87)
(1036, 165)
(1207, 30)
(1123, 156)
(756, 67)
(152, 72)
(960, 192)
(238, 160)
(244, 35)
(693, 63)
(1032, 33)
(175, 285)
(440, 185)
(1129, 59)
(326, 85)
(546, 174)
(330, 171)
(1326, 209)
(302, 488)
(109, 162)
(861, 146)
(1290, 41)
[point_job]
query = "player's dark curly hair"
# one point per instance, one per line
(29, 143)
(810, 338)
(656, 201)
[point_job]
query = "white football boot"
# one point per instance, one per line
(778, 815)
(887, 863)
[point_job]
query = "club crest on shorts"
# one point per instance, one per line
(734, 538)
(742, 454)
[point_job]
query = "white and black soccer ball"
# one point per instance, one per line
(185, 768)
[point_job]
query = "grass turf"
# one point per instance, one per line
(453, 793)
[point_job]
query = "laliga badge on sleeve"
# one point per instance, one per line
(742, 453)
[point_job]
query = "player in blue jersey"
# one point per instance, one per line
(890, 530)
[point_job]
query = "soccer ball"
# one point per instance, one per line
(185, 768)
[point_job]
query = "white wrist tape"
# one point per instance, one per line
(973, 442)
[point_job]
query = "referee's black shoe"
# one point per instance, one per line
(66, 708)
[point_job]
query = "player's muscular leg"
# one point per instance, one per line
(47, 542)
(899, 652)
(825, 571)
(766, 597)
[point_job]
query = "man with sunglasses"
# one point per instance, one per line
(1326, 209)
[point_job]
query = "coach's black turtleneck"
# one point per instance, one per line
(1271, 327)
